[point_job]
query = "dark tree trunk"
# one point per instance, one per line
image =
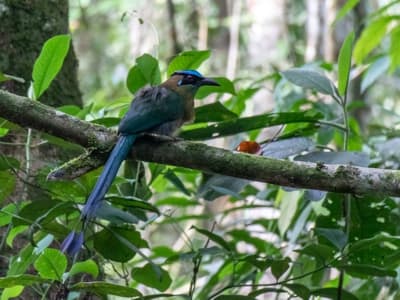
(25, 26)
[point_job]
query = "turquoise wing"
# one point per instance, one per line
(151, 108)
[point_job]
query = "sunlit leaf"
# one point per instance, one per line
(145, 71)
(51, 264)
(370, 38)
(49, 63)
(87, 266)
(344, 63)
(188, 60)
(225, 86)
(349, 5)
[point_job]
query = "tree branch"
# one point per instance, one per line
(335, 178)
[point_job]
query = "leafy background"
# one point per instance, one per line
(174, 232)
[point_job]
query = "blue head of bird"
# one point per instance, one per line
(189, 81)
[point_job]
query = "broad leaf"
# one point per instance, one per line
(188, 60)
(87, 266)
(344, 63)
(332, 293)
(24, 280)
(371, 36)
(345, 9)
(8, 183)
(214, 112)
(105, 288)
(235, 126)
(147, 275)
(49, 63)
(336, 236)
(279, 267)
(300, 290)
(215, 238)
(310, 79)
(225, 86)
(145, 71)
(363, 270)
(51, 264)
(394, 52)
(112, 243)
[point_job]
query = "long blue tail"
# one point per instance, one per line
(118, 154)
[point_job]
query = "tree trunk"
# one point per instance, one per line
(25, 26)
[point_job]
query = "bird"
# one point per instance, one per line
(159, 110)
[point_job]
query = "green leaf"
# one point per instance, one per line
(188, 60)
(3, 77)
(8, 183)
(87, 266)
(364, 270)
(370, 242)
(149, 276)
(336, 236)
(213, 112)
(374, 71)
(146, 71)
(344, 63)
(279, 267)
(322, 252)
(51, 264)
(288, 204)
(225, 86)
(49, 62)
(235, 126)
(112, 242)
(371, 37)
(105, 288)
(133, 203)
(215, 238)
(22, 261)
(331, 293)
(310, 79)
(394, 52)
(11, 292)
(176, 181)
(344, 10)
(115, 215)
(24, 280)
(299, 289)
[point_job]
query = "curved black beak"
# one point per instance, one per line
(208, 81)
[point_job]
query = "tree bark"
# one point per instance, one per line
(25, 26)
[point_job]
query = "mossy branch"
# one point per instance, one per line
(335, 178)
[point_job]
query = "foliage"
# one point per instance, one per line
(158, 229)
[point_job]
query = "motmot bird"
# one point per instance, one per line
(159, 110)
